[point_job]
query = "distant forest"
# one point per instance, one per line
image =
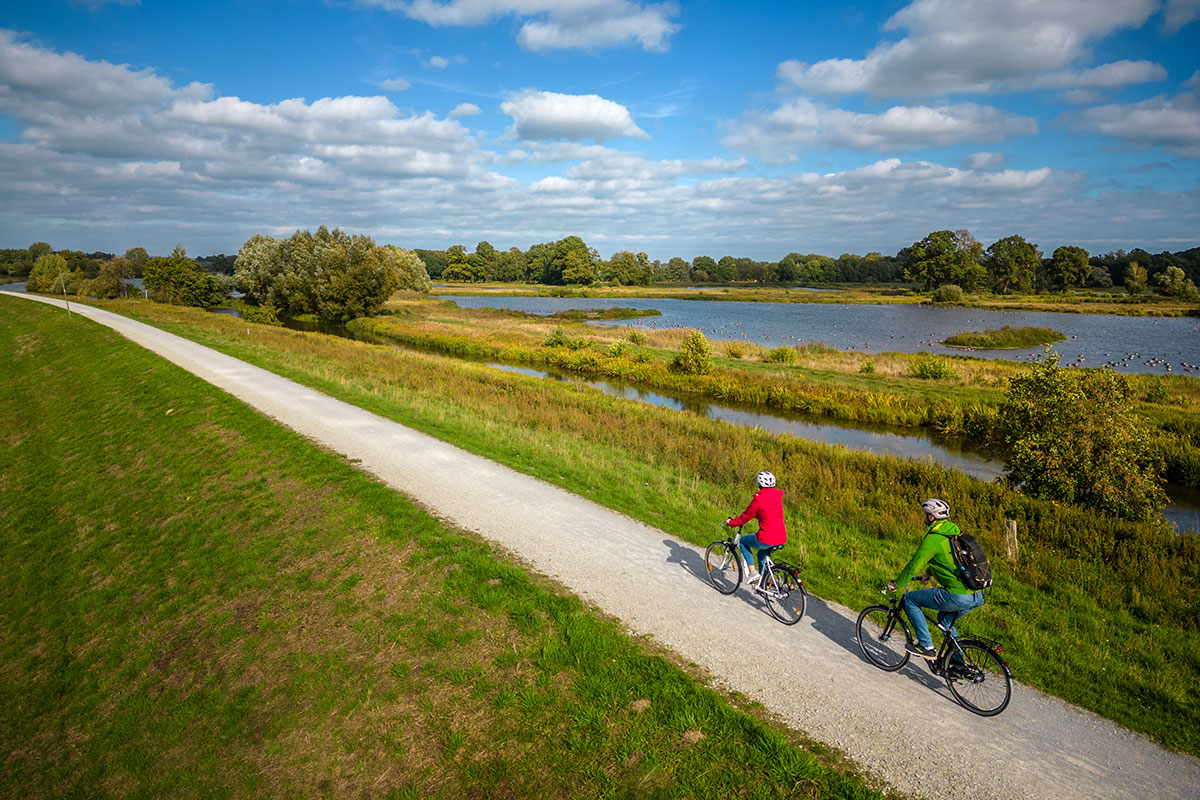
(1008, 265)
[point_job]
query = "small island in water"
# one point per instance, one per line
(1005, 338)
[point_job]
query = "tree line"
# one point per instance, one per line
(1010, 265)
(953, 259)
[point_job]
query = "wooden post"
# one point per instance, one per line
(1010, 539)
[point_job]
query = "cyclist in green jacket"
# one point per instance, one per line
(952, 599)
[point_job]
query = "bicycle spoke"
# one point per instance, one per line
(881, 637)
(982, 684)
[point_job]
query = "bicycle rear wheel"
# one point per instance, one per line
(785, 596)
(882, 636)
(723, 566)
(983, 684)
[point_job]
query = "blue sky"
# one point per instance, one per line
(679, 129)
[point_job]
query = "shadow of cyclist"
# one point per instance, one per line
(692, 563)
(842, 632)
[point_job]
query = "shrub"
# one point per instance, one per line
(930, 367)
(636, 337)
(948, 293)
(265, 314)
(557, 338)
(735, 349)
(1072, 436)
(617, 349)
(694, 356)
(1155, 393)
(867, 367)
(782, 355)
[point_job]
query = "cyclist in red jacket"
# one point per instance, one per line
(767, 508)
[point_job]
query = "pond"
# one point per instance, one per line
(1128, 344)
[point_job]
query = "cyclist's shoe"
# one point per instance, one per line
(924, 652)
(753, 578)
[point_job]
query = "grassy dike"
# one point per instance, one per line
(1099, 612)
(198, 603)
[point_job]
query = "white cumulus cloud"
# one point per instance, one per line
(465, 110)
(956, 46)
(555, 24)
(395, 85)
(573, 117)
(802, 123)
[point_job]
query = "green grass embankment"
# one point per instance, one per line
(198, 603)
(1100, 612)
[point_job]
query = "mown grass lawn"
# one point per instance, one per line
(197, 603)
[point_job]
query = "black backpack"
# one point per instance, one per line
(972, 563)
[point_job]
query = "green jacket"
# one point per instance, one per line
(934, 552)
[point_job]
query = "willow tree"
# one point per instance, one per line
(328, 273)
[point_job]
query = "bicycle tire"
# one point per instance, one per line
(882, 636)
(985, 686)
(786, 599)
(723, 566)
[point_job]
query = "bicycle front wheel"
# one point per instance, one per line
(882, 636)
(785, 596)
(983, 683)
(723, 566)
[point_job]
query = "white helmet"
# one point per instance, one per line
(765, 479)
(936, 508)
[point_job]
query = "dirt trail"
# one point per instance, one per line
(903, 727)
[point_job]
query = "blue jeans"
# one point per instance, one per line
(748, 542)
(950, 608)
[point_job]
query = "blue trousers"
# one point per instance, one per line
(950, 608)
(748, 542)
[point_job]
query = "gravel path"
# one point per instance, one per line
(903, 727)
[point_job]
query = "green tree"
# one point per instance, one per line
(39, 249)
(704, 264)
(484, 259)
(1011, 263)
(627, 268)
(1068, 267)
(1172, 282)
(328, 273)
(46, 272)
(1135, 278)
(460, 267)
(1072, 437)
(945, 257)
(111, 282)
(578, 268)
(694, 356)
(180, 281)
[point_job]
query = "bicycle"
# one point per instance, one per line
(977, 676)
(780, 586)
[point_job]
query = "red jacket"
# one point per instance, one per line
(767, 508)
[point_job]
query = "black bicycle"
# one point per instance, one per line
(978, 677)
(780, 585)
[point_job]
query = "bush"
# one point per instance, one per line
(265, 314)
(735, 349)
(694, 356)
(636, 337)
(867, 367)
(948, 293)
(179, 280)
(782, 355)
(616, 349)
(557, 338)
(1072, 437)
(930, 367)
